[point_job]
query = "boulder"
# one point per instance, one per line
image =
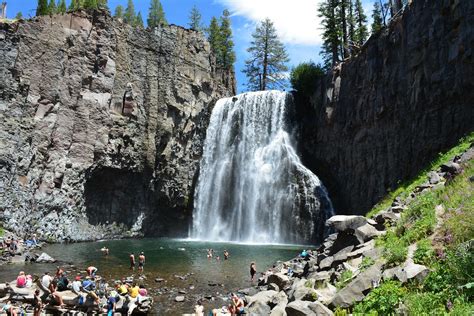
(356, 289)
(387, 217)
(45, 258)
(451, 167)
(179, 298)
(320, 309)
(367, 232)
(265, 297)
(303, 308)
(302, 290)
(344, 222)
(434, 177)
(280, 299)
(412, 271)
(326, 263)
(342, 254)
(326, 294)
(278, 311)
(273, 286)
(279, 279)
(258, 308)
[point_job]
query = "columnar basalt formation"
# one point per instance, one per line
(102, 125)
(388, 111)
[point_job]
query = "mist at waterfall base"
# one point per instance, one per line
(252, 186)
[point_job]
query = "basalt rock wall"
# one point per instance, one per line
(102, 126)
(386, 113)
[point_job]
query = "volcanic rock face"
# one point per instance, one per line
(102, 125)
(387, 112)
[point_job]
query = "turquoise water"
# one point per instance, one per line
(168, 259)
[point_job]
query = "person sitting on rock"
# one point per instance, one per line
(76, 285)
(237, 305)
(21, 280)
(10, 309)
(63, 283)
(88, 286)
(53, 289)
(46, 280)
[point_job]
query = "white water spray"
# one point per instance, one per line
(252, 186)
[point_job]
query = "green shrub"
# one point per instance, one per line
(383, 300)
(424, 253)
(344, 279)
(394, 249)
(305, 77)
(2, 231)
(341, 312)
(425, 304)
(366, 263)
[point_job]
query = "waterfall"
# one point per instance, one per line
(252, 186)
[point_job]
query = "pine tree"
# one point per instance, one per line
(42, 8)
(102, 4)
(129, 16)
(52, 7)
(90, 4)
(119, 11)
(195, 19)
(62, 6)
(377, 18)
(267, 64)
(332, 35)
(19, 16)
(361, 32)
(226, 45)
(75, 5)
(351, 21)
(213, 36)
(139, 20)
(343, 20)
(156, 14)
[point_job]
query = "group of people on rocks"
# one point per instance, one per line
(102, 297)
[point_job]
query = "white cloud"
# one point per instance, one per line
(296, 21)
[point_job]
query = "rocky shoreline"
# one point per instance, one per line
(348, 264)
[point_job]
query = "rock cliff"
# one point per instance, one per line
(102, 125)
(387, 112)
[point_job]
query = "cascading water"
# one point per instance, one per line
(252, 186)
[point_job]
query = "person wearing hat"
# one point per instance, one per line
(76, 285)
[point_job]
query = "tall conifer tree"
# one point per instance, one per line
(119, 12)
(377, 22)
(226, 45)
(332, 35)
(62, 6)
(351, 21)
(42, 8)
(90, 4)
(156, 14)
(213, 36)
(129, 16)
(52, 7)
(266, 67)
(195, 17)
(361, 23)
(139, 20)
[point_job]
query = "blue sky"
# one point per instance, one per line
(296, 22)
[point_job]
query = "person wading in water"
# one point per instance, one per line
(253, 271)
(141, 261)
(132, 261)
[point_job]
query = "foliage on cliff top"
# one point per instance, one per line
(408, 186)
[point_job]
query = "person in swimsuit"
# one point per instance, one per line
(91, 271)
(10, 309)
(253, 271)
(141, 261)
(21, 279)
(132, 261)
(237, 305)
(226, 254)
(37, 304)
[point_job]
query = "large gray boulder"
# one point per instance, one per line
(278, 311)
(280, 279)
(345, 222)
(305, 308)
(45, 258)
(367, 232)
(355, 291)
